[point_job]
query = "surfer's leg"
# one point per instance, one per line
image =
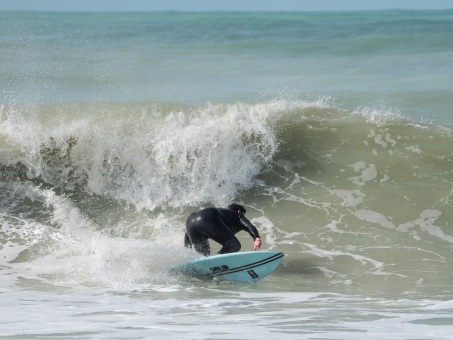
(195, 237)
(222, 235)
(200, 243)
(231, 246)
(187, 241)
(202, 247)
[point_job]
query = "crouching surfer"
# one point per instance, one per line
(219, 225)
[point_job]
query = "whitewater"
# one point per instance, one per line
(333, 129)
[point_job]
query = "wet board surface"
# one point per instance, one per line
(249, 266)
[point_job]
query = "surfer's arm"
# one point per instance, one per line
(251, 229)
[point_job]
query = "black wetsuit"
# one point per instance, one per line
(219, 225)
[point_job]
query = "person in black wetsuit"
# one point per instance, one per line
(219, 225)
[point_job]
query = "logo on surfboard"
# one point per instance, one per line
(224, 268)
(219, 269)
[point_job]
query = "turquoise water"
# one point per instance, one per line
(392, 59)
(334, 129)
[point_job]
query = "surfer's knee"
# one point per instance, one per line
(202, 247)
(231, 246)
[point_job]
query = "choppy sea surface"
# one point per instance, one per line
(333, 129)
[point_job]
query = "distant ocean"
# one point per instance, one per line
(333, 129)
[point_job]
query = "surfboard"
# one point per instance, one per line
(250, 266)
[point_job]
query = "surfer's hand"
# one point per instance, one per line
(257, 244)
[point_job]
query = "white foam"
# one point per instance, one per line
(426, 222)
(74, 253)
(374, 217)
(414, 149)
(203, 154)
(317, 251)
(351, 198)
(368, 173)
(378, 115)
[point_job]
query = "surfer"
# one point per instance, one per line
(219, 225)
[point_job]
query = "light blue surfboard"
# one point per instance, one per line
(247, 266)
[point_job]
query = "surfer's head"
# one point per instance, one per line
(237, 207)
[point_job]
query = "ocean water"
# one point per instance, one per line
(333, 129)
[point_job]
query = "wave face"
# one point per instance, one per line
(351, 190)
